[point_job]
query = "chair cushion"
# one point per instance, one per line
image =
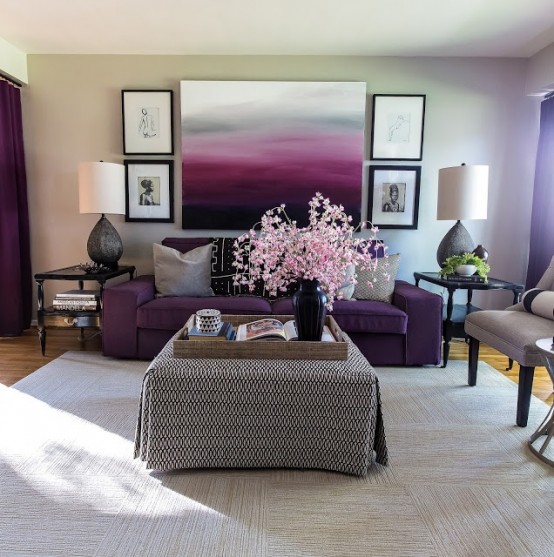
(513, 333)
(540, 302)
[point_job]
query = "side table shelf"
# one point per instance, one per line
(50, 317)
(454, 315)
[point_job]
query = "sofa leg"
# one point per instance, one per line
(526, 374)
(472, 361)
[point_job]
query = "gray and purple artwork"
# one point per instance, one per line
(248, 146)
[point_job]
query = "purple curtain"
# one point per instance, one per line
(15, 259)
(542, 219)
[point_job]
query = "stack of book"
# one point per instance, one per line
(77, 300)
(225, 332)
(465, 278)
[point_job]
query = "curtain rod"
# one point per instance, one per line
(10, 80)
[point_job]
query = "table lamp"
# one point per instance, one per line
(102, 190)
(462, 195)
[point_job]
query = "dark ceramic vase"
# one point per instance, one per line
(481, 252)
(309, 310)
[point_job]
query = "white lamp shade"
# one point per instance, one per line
(463, 192)
(101, 188)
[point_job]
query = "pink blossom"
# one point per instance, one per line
(279, 253)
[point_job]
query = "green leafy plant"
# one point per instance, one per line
(452, 263)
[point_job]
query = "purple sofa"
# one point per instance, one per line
(407, 332)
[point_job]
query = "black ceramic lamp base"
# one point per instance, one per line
(456, 242)
(104, 244)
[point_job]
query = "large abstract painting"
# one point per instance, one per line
(248, 146)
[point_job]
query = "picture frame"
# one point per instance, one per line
(149, 191)
(393, 196)
(147, 122)
(397, 127)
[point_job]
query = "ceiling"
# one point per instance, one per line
(496, 28)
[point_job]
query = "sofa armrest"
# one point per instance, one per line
(424, 333)
(119, 315)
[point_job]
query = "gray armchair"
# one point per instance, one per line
(513, 332)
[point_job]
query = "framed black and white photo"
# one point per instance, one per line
(397, 127)
(147, 122)
(393, 196)
(149, 191)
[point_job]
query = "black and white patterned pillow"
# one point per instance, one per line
(539, 302)
(223, 271)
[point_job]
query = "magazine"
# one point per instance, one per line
(272, 329)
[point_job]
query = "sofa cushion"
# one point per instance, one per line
(382, 279)
(358, 316)
(172, 313)
(182, 274)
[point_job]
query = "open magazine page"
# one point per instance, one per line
(273, 329)
(290, 330)
(267, 328)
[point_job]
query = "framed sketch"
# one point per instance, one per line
(397, 127)
(149, 191)
(147, 122)
(393, 197)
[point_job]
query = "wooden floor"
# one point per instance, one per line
(20, 356)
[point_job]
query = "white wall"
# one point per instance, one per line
(13, 62)
(476, 113)
(540, 72)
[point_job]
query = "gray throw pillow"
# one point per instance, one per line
(346, 291)
(183, 274)
(382, 288)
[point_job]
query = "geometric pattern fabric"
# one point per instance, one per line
(236, 413)
(382, 287)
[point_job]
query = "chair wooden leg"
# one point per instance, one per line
(526, 374)
(472, 361)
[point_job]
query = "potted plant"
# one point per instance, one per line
(465, 264)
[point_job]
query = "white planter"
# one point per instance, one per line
(465, 270)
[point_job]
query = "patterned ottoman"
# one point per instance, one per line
(228, 413)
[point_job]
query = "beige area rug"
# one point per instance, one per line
(461, 481)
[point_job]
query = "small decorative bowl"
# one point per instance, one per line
(208, 320)
(465, 270)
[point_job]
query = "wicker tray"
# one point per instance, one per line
(260, 349)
